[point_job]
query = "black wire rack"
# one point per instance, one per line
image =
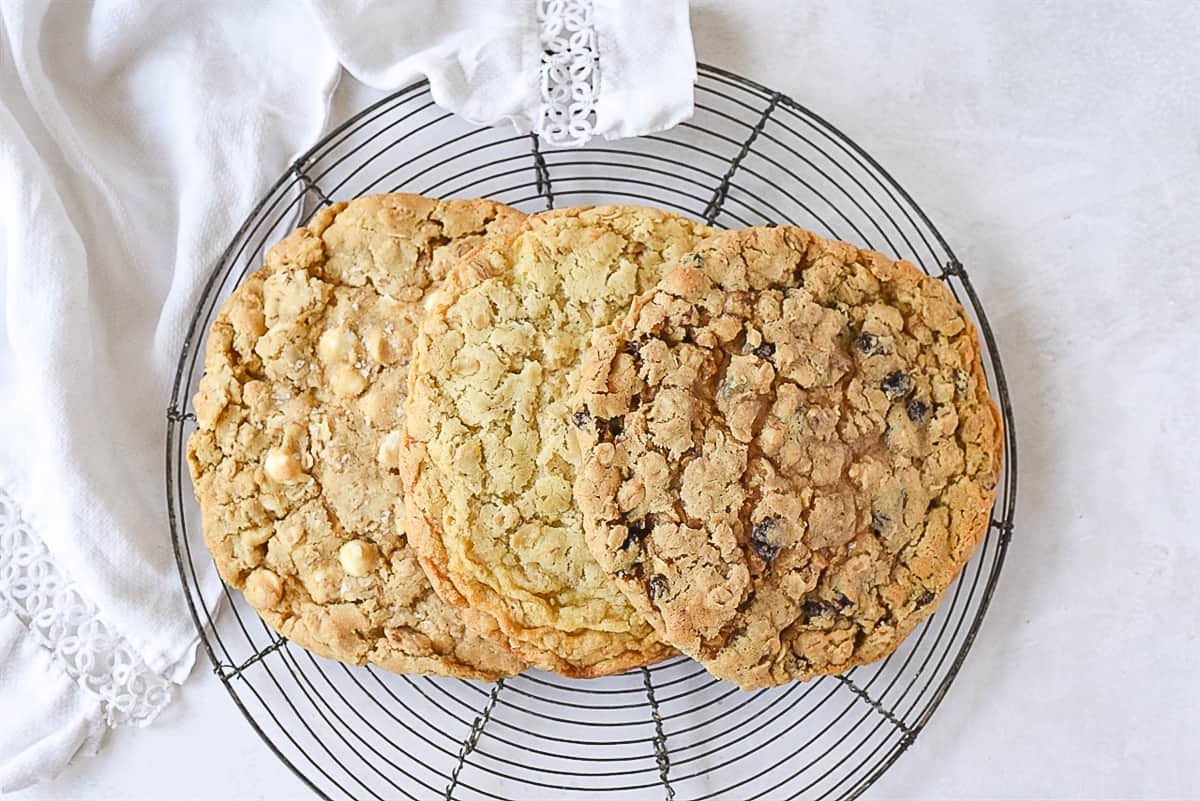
(749, 156)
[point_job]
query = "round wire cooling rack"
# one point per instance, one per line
(749, 156)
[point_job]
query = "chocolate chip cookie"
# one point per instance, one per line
(295, 455)
(788, 453)
(489, 454)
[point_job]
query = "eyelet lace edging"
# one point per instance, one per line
(67, 625)
(570, 76)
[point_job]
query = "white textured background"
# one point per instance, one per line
(1057, 147)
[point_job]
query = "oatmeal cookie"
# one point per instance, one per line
(489, 457)
(294, 458)
(788, 453)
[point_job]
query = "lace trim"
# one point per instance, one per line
(570, 77)
(45, 599)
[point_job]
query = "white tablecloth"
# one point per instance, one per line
(1056, 146)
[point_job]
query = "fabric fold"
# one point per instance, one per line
(647, 67)
(55, 720)
(481, 59)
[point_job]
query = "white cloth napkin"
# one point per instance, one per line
(134, 138)
(568, 69)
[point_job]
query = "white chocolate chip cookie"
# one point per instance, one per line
(294, 459)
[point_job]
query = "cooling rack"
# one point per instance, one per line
(749, 156)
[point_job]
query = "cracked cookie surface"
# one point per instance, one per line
(489, 458)
(788, 453)
(294, 459)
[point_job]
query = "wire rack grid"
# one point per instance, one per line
(749, 156)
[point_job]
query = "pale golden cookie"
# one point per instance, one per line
(294, 459)
(489, 456)
(789, 452)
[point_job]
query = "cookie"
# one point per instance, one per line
(489, 457)
(788, 453)
(294, 458)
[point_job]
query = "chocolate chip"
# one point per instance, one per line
(657, 586)
(636, 401)
(926, 598)
(765, 351)
(611, 428)
(581, 418)
(760, 539)
(634, 349)
(865, 343)
(917, 410)
(843, 601)
(815, 609)
(896, 385)
(633, 572)
(636, 531)
(766, 550)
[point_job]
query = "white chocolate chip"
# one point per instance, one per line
(379, 348)
(358, 558)
(337, 345)
(348, 382)
(253, 537)
(283, 466)
(389, 450)
(263, 589)
(323, 583)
